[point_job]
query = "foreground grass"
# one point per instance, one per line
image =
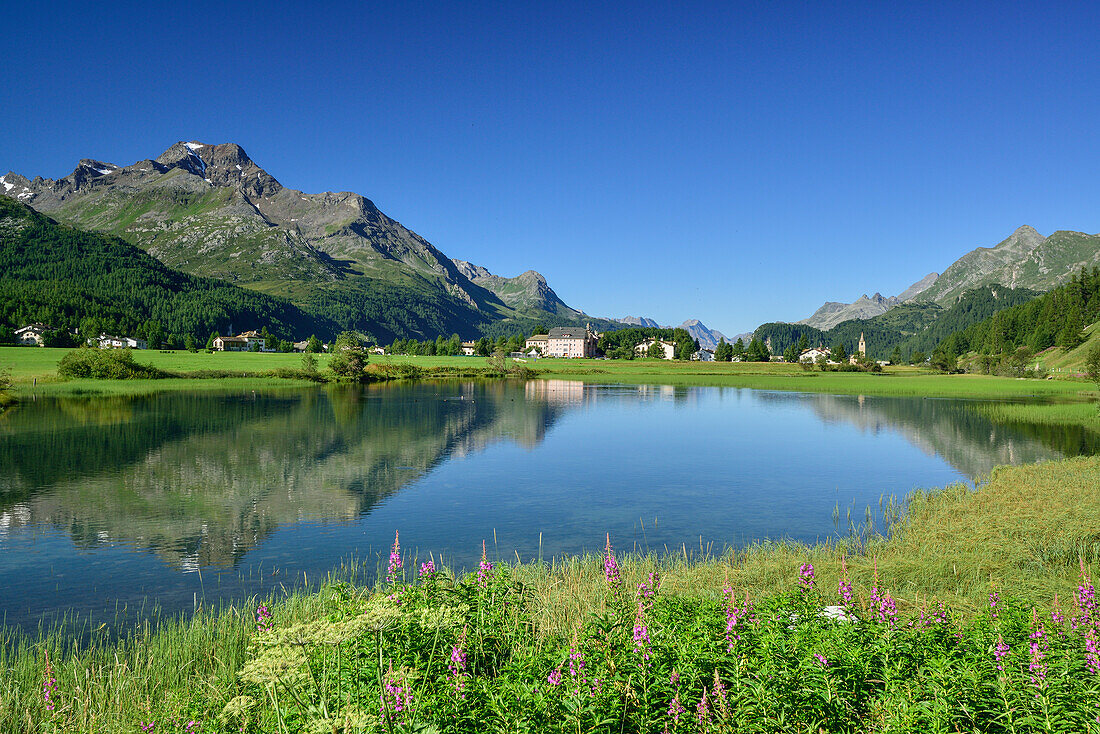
(536, 647)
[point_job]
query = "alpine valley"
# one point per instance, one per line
(210, 211)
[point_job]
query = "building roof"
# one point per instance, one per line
(538, 337)
(567, 332)
(35, 327)
(241, 339)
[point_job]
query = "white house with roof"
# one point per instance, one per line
(107, 341)
(33, 335)
(668, 347)
(812, 354)
(240, 343)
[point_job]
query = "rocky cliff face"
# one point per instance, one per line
(526, 292)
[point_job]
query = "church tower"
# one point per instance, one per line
(862, 345)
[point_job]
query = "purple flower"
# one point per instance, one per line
(395, 560)
(1038, 665)
(675, 708)
(554, 678)
(395, 699)
(735, 615)
(994, 598)
(147, 727)
(484, 569)
(806, 576)
(821, 660)
(647, 590)
(1092, 651)
(999, 653)
(611, 568)
(702, 711)
(264, 619)
(427, 569)
(641, 635)
(457, 664)
(884, 607)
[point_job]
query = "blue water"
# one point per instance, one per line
(174, 500)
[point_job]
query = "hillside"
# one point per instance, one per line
(1061, 359)
(909, 327)
(209, 210)
(62, 276)
(1025, 259)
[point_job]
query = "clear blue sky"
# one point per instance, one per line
(736, 163)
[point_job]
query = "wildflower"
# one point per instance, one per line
(427, 569)
(395, 560)
(735, 615)
(641, 634)
(264, 619)
(457, 664)
(806, 576)
(675, 708)
(1038, 665)
(484, 569)
(554, 678)
(999, 653)
(1056, 615)
(719, 695)
(611, 568)
(1092, 651)
(147, 727)
(49, 686)
(821, 660)
(883, 606)
(648, 589)
(994, 599)
(395, 698)
(702, 711)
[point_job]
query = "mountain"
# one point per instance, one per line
(62, 276)
(707, 337)
(526, 292)
(209, 210)
(832, 312)
(1026, 259)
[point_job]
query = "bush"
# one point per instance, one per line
(106, 364)
(349, 364)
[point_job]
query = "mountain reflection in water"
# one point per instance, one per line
(205, 480)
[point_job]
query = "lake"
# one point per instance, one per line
(109, 505)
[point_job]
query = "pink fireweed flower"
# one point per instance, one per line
(648, 589)
(264, 619)
(395, 564)
(844, 586)
(735, 615)
(49, 686)
(994, 599)
(1038, 665)
(675, 708)
(999, 652)
(611, 567)
(884, 607)
(395, 699)
(147, 727)
(641, 635)
(719, 695)
(806, 576)
(1092, 651)
(484, 569)
(702, 711)
(554, 678)
(457, 664)
(427, 569)
(821, 660)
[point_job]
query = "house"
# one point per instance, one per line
(812, 354)
(377, 350)
(469, 348)
(540, 342)
(33, 335)
(301, 346)
(106, 341)
(241, 343)
(668, 347)
(571, 342)
(703, 355)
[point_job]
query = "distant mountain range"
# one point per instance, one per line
(1026, 259)
(707, 337)
(209, 210)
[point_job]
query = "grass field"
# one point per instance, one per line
(37, 365)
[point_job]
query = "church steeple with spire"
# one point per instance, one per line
(862, 345)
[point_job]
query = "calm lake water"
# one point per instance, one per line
(109, 503)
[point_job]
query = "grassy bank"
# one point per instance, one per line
(559, 647)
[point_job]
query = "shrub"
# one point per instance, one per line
(106, 364)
